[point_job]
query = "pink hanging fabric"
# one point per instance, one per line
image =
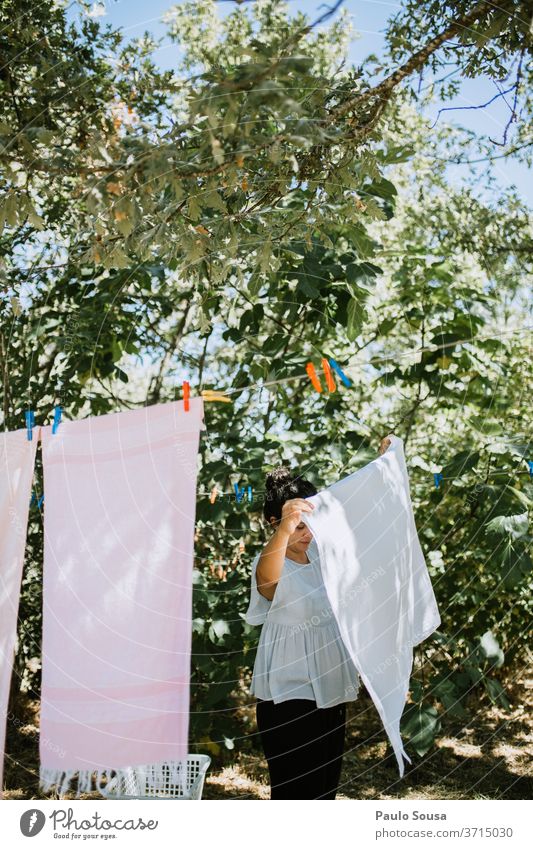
(17, 459)
(119, 513)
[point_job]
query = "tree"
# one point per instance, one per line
(261, 207)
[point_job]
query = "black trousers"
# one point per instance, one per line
(303, 746)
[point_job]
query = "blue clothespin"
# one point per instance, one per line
(249, 493)
(238, 492)
(38, 501)
(57, 419)
(30, 422)
(336, 366)
(530, 464)
(437, 477)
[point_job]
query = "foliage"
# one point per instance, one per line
(229, 222)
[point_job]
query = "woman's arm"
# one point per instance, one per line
(270, 564)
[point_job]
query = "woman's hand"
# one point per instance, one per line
(270, 564)
(291, 514)
(384, 444)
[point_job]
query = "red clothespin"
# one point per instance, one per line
(186, 394)
(213, 496)
(329, 376)
(310, 369)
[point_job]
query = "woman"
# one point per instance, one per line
(303, 676)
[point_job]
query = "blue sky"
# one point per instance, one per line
(369, 19)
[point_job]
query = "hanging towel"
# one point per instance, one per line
(376, 578)
(17, 459)
(119, 514)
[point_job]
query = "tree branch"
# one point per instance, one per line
(383, 91)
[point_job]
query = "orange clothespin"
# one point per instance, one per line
(213, 395)
(186, 394)
(310, 369)
(213, 496)
(329, 376)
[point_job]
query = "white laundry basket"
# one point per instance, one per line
(170, 780)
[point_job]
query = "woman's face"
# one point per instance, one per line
(299, 539)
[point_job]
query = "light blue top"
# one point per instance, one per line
(300, 654)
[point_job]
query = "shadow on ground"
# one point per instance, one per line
(488, 755)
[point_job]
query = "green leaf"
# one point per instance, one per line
(496, 692)
(382, 188)
(515, 526)
(395, 154)
(356, 315)
(362, 272)
(513, 562)
(420, 725)
(195, 210)
(218, 629)
(9, 210)
(374, 210)
(461, 463)
(507, 447)
(307, 286)
(214, 201)
(447, 692)
(299, 64)
(359, 238)
(265, 255)
(198, 625)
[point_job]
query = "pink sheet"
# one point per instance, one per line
(17, 459)
(119, 514)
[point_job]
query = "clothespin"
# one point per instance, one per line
(57, 419)
(330, 383)
(310, 369)
(213, 395)
(186, 394)
(249, 493)
(437, 477)
(336, 366)
(530, 464)
(238, 492)
(213, 496)
(30, 422)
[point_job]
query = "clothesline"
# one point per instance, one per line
(374, 360)
(224, 394)
(249, 497)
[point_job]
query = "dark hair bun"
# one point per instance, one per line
(278, 479)
(281, 484)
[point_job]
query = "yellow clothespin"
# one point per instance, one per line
(213, 395)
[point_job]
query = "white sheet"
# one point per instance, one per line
(376, 578)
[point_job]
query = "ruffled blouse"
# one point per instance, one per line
(300, 654)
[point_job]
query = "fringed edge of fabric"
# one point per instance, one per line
(61, 779)
(137, 779)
